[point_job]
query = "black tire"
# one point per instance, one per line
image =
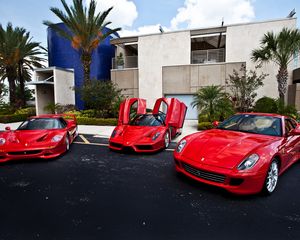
(271, 178)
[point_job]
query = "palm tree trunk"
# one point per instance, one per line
(282, 78)
(86, 60)
(22, 85)
(12, 86)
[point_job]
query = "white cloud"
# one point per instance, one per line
(123, 14)
(148, 29)
(203, 13)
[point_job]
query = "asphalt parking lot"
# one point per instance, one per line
(94, 193)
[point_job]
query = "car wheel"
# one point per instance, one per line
(67, 143)
(271, 178)
(167, 139)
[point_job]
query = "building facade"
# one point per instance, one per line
(177, 64)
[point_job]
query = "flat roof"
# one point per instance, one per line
(49, 69)
(195, 31)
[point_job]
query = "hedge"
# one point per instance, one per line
(97, 121)
(13, 118)
(205, 125)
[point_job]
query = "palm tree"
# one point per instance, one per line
(209, 100)
(85, 29)
(29, 58)
(18, 55)
(9, 56)
(279, 48)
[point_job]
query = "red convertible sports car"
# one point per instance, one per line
(44, 136)
(245, 154)
(145, 132)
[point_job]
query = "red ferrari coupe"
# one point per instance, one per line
(145, 132)
(44, 136)
(245, 154)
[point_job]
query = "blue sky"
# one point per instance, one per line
(144, 16)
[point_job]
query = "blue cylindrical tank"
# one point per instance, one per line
(62, 54)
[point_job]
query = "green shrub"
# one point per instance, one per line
(97, 121)
(13, 118)
(205, 125)
(91, 113)
(76, 113)
(266, 105)
(6, 109)
(202, 118)
(29, 111)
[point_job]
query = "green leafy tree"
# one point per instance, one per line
(101, 96)
(279, 48)
(85, 29)
(243, 87)
(213, 101)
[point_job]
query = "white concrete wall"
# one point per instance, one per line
(43, 97)
(64, 87)
(242, 39)
(156, 51)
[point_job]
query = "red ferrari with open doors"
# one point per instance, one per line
(44, 136)
(245, 154)
(147, 132)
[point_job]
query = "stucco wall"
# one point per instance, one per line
(43, 97)
(242, 39)
(127, 81)
(156, 51)
(64, 87)
(187, 79)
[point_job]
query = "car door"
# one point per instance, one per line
(174, 111)
(130, 108)
(291, 146)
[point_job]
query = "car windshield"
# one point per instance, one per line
(266, 125)
(41, 123)
(148, 120)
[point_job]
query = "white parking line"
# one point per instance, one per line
(84, 139)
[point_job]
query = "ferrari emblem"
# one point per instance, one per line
(26, 144)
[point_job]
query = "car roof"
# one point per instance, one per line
(262, 114)
(47, 116)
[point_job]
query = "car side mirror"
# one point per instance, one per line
(7, 128)
(295, 132)
(215, 123)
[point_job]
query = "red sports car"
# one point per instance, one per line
(44, 136)
(245, 154)
(145, 132)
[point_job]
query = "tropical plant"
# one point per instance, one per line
(279, 48)
(18, 55)
(243, 87)
(101, 96)
(85, 29)
(210, 100)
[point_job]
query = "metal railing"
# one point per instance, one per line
(129, 62)
(208, 56)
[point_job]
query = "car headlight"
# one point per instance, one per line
(114, 133)
(180, 146)
(155, 136)
(57, 138)
(249, 162)
(2, 141)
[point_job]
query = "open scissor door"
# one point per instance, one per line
(130, 108)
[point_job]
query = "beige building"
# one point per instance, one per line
(177, 64)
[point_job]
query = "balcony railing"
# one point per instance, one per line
(208, 56)
(129, 62)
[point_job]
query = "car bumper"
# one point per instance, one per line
(138, 147)
(30, 153)
(233, 181)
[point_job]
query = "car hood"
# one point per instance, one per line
(28, 137)
(223, 148)
(134, 134)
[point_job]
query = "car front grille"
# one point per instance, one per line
(30, 152)
(214, 177)
(144, 147)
